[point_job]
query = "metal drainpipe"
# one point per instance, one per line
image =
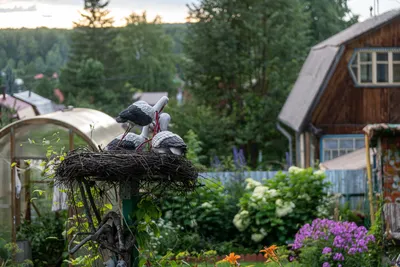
(289, 137)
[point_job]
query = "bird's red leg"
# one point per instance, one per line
(145, 142)
(123, 136)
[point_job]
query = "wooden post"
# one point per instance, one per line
(28, 195)
(369, 174)
(70, 210)
(13, 202)
(129, 204)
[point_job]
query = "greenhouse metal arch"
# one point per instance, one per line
(30, 139)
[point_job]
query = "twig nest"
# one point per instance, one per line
(150, 171)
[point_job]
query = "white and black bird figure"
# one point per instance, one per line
(131, 141)
(163, 123)
(141, 113)
(166, 142)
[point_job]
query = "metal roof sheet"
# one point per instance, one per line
(42, 104)
(355, 160)
(24, 110)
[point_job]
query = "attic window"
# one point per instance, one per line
(376, 67)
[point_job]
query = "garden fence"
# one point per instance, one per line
(351, 184)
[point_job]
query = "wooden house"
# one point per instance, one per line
(347, 81)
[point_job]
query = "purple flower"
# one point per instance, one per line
(338, 257)
(338, 238)
(326, 264)
(326, 250)
(352, 251)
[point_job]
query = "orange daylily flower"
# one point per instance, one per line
(270, 253)
(232, 258)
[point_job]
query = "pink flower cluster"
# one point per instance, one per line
(338, 238)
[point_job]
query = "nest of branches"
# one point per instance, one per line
(147, 170)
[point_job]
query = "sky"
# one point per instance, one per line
(61, 13)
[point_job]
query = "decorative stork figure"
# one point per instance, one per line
(164, 121)
(166, 142)
(141, 113)
(130, 142)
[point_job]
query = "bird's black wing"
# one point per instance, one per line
(134, 114)
(123, 145)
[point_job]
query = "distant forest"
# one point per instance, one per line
(32, 51)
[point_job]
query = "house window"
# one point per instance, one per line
(333, 146)
(375, 67)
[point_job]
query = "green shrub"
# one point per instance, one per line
(206, 215)
(45, 236)
(273, 211)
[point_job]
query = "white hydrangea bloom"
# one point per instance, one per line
(305, 196)
(272, 193)
(295, 170)
(251, 184)
(319, 173)
(257, 237)
(259, 192)
(283, 208)
(206, 205)
(168, 215)
(242, 220)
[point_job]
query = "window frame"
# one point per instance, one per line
(373, 51)
(337, 137)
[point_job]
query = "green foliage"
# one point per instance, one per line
(206, 212)
(6, 254)
(214, 132)
(243, 64)
(145, 51)
(92, 57)
(272, 212)
(194, 149)
(328, 17)
(45, 237)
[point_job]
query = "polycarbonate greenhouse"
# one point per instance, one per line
(27, 142)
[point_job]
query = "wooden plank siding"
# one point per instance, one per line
(346, 109)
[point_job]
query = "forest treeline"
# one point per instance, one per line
(239, 60)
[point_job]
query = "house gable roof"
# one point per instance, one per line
(319, 66)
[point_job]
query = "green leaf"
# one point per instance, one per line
(108, 206)
(40, 192)
(13, 164)
(142, 262)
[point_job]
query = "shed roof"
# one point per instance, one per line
(355, 160)
(149, 97)
(320, 64)
(24, 110)
(42, 104)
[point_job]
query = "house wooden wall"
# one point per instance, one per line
(346, 109)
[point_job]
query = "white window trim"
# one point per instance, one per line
(338, 138)
(374, 62)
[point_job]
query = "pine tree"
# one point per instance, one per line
(92, 38)
(243, 58)
(328, 17)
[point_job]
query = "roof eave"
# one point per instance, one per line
(321, 90)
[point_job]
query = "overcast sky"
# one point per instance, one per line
(61, 13)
